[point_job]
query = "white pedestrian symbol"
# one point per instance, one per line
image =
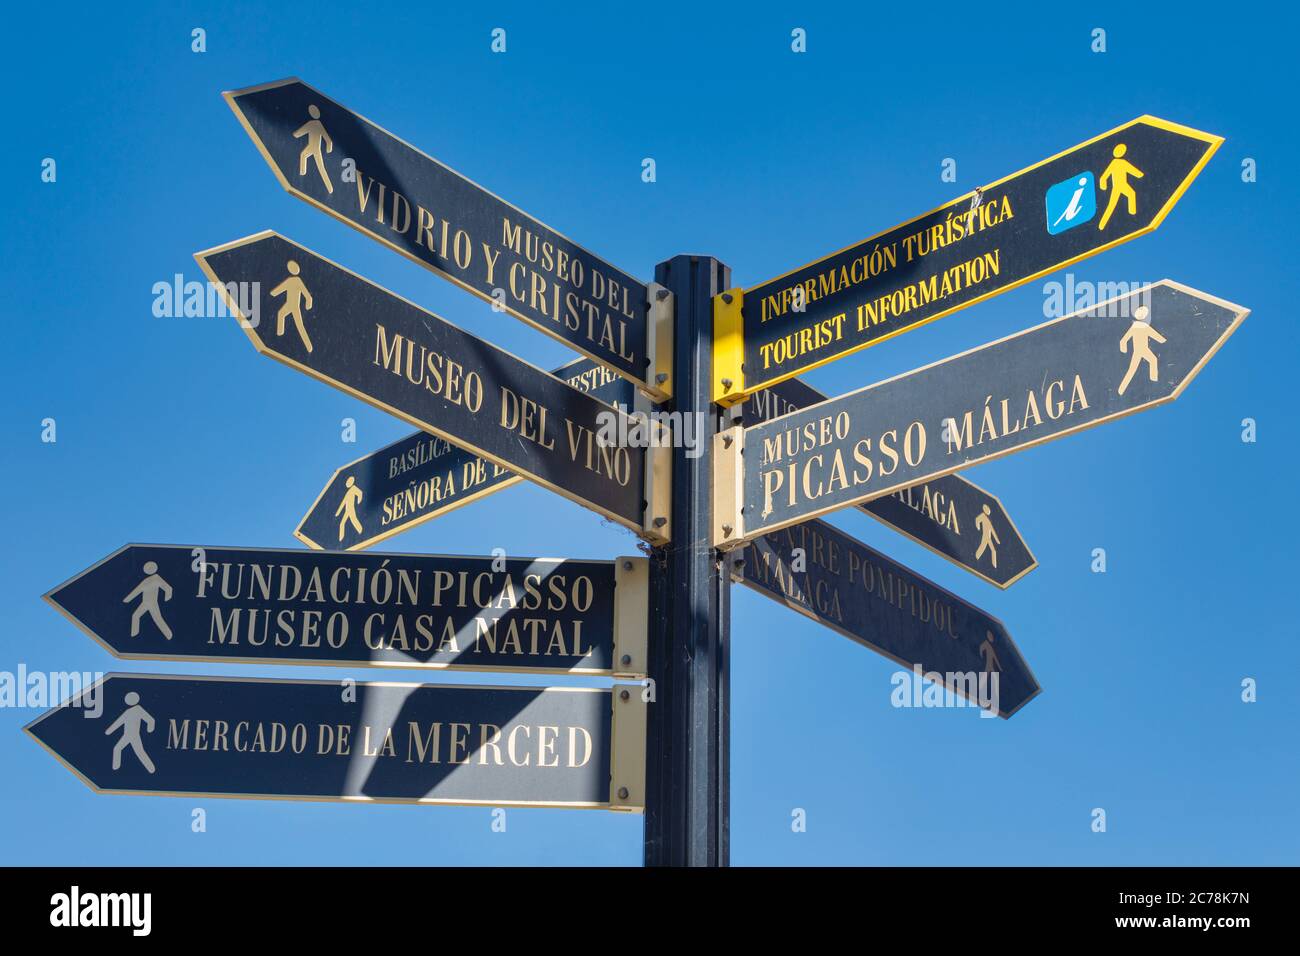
(988, 537)
(147, 591)
(129, 722)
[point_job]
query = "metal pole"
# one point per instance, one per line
(687, 812)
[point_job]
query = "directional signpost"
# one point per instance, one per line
(1112, 188)
(362, 174)
(260, 606)
(768, 456)
(837, 581)
(350, 333)
(955, 518)
(368, 742)
(422, 476)
(1119, 357)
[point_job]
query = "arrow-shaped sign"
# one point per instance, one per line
(364, 742)
(365, 176)
(838, 581)
(1108, 190)
(263, 606)
(1130, 353)
(422, 476)
(322, 319)
(955, 518)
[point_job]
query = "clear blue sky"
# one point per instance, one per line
(173, 430)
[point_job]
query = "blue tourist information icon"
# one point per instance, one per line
(1071, 202)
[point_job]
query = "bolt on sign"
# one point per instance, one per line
(836, 580)
(361, 174)
(343, 330)
(423, 476)
(1112, 188)
(357, 742)
(263, 606)
(855, 590)
(1127, 354)
(955, 518)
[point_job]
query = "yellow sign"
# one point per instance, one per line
(1076, 204)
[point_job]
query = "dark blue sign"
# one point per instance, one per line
(422, 476)
(339, 740)
(838, 581)
(322, 319)
(955, 518)
(1133, 352)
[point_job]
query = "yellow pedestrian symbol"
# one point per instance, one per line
(1117, 174)
(148, 592)
(129, 723)
(1140, 335)
(988, 537)
(348, 507)
(314, 130)
(296, 298)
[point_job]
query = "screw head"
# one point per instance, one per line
(661, 294)
(661, 378)
(726, 383)
(623, 694)
(726, 529)
(627, 565)
(625, 660)
(622, 793)
(660, 522)
(728, 298)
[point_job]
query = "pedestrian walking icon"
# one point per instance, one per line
(296, 298)
(989, 539)
(314, 130)
(1070, 203)
(348, 507)
(1140, 335)
(992, 662)
(148, 592)
(1117, 175)
(129, 722)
